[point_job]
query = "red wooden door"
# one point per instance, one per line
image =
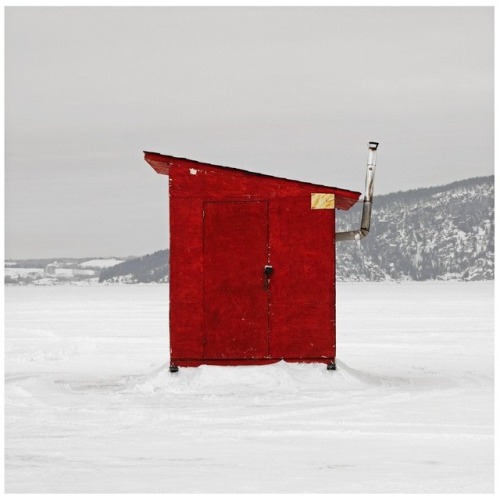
(236, 302)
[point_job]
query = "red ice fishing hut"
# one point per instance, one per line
(252, 263)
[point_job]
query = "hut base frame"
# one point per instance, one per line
(188, 363)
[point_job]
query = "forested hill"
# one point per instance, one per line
(146, 269)
(444, 232)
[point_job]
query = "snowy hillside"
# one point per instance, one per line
(147, 269)
(90, 406)
(433, 233)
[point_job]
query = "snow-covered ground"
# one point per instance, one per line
(14, 272)
(91, 407)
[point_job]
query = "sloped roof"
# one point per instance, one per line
(163, 163)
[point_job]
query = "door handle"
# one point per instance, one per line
(268, 271)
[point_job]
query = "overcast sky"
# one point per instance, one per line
(294, 92)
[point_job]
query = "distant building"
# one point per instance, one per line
(59, 270)
(50, 269)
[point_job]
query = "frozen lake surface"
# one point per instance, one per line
(91, 406)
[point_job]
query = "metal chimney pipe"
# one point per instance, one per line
(367, 202)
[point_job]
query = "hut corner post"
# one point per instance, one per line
(367, 202)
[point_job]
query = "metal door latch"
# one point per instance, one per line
(268, 271)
